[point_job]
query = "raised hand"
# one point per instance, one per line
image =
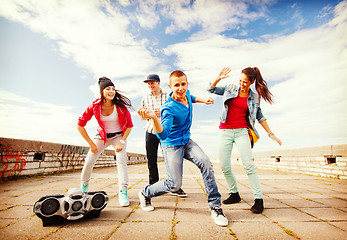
(224, 73)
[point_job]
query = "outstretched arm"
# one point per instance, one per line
(271, 135)
(209, 100)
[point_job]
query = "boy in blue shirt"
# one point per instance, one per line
(174, 133)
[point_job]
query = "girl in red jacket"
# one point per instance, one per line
(115, 124)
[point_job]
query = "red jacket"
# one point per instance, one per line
(95, 109)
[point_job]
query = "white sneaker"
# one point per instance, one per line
(218, 216)
(145, 202)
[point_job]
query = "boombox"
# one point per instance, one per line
(54, 209)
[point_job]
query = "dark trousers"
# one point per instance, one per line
(152, 143)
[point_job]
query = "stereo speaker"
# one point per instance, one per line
(75, 204)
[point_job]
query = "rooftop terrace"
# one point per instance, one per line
(297, 206)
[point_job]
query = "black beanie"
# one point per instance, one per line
(104, 82)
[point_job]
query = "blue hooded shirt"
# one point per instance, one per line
(176, 121)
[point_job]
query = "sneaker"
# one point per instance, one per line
(145, 202)
(258, 206)
(218, 216)
(179, 193)
(84, 187)
(233, 198)
(123, 198)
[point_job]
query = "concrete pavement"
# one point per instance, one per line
(296, 207)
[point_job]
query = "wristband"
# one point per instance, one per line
(122, 141)
(271, 134)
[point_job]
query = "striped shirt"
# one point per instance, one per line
(152, 102)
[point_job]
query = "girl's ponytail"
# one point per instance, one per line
(253, 74)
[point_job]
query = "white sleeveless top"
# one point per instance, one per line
(111, 122)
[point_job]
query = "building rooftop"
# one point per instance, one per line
(296, 207)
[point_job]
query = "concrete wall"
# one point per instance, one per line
(24, 157)
(317, 161)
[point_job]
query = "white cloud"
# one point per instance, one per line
(96, 34)
(211, 16)
(327, 10)
(205, 133)
(24, 118)
(297, 16)
(308, 68)
(146, 15)
(124, 3)
(93, 33)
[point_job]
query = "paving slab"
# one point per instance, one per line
(259, 230)
(290, 214)
(87, 229)
(201, 230)
(297, 206)
(143, 230)
(315, 230)
(301, 203)
(332, 202)
(326, 214)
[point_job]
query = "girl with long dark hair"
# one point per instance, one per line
(115, 124)
(241, 107)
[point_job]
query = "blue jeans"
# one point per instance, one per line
(173, 157)
(227, 138)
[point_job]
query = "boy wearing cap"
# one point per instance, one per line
(174, 133)
(153, 101)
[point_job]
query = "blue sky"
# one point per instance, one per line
(53, 52)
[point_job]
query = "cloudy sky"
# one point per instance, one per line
(53, 52)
